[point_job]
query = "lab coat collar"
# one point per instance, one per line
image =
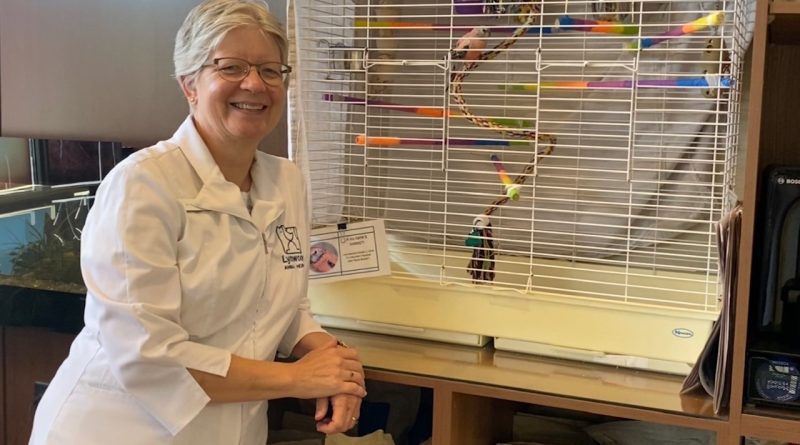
(268, 201)
(220, 195)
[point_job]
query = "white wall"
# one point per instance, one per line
(95, 70)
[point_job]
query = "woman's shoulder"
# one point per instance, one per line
(150, 161)
(146, 165)
(150, 156)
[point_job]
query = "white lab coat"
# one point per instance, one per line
(179, 275)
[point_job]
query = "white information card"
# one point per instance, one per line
(343, 252)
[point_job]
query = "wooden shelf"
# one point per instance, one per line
(785, 25)
(781, 414)
(496, 375)
(773, 424)
(784, 8)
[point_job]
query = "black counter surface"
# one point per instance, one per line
(41, 308)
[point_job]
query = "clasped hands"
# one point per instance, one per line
(334, 376)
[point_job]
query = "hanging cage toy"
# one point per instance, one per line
(481, 266)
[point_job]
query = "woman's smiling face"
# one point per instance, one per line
(241, 112)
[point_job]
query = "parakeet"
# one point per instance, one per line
(716, 62)
(611, 11)
(379, 75)
(470, 46)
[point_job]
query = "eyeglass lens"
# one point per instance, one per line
(235, 70)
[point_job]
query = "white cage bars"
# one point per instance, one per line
(632, 106)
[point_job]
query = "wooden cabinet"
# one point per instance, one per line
(773, 135)
(477, 391)
(30, 355)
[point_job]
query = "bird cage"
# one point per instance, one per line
(549, 173)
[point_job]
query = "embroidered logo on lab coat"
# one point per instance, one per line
(292, 253)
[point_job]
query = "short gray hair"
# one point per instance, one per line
(209, 22)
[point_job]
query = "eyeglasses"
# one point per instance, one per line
(236, 70)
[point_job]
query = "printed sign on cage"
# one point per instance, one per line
(346, 252)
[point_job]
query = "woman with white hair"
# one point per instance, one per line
(194, 257)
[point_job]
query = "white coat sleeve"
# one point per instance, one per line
(129, 252)
(303, 322)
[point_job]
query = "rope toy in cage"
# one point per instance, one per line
(481, 265)
(470, 46)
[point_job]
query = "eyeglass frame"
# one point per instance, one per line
(285, 70)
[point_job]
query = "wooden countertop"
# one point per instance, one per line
(499, 369)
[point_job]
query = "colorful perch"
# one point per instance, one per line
(716, 81)
(599, 26)
(444, 27)
(422, 111)
(389, 141)
(713, 19)
(511, 189)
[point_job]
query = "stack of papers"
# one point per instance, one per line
(712, 371)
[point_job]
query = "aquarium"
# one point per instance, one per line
(47, 190)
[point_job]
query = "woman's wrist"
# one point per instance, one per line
(312, 341)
